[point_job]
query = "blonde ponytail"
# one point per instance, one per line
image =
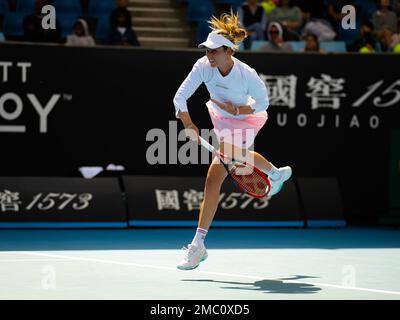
(228, 26)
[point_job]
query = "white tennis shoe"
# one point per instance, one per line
(276, 185)
(193, 256)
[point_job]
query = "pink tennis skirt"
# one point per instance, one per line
(239, 132)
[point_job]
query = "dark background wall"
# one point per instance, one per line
(110, 98)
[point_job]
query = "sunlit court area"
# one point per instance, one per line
(243, 264)
(199, 150)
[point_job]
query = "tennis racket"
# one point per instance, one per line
(255, 184)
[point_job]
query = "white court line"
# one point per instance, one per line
(33, 260)
(204, 272)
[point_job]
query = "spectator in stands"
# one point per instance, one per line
(253, 18)
(2, 39)
(269, 6)
(32, 25)
(289, 17)
(369, 44)
(366, 29)
(384, 16)
(80, 35)
(312, 44)
(121, 6)
(122, 34)
(317, 26)
(276, 42)
(388, 39)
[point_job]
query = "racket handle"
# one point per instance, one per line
(206, 145)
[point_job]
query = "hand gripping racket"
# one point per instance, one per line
(256, 183)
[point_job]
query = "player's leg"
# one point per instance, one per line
(196, 251)
(215, 177)
(252, 157)
(277, 176)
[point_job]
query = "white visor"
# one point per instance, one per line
(215, 40)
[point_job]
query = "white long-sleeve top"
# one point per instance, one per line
(242, 86)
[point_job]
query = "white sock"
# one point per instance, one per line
(274, 173)
(199, 237)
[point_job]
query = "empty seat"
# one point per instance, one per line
(199, 10)
(367, 8)
(68, 6)
(297, 46)
(101, 7)
(203, 30)
(13, 22)
(25, 6)
(102, 28)
(235, 4)
(66, 23)
(3, 6)
(257, 44)
(333, 46)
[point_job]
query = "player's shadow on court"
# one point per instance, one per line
(271, 286)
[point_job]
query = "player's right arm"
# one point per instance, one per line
(185, 91)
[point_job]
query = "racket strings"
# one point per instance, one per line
(253, 182)
(247, 177)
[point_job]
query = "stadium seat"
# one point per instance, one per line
(333, 46)
(297, 46)
(66, 22)
(367, 8)
(203, 30)
(68, 7)
(13, 24)
(3, 7)
(25, 6)
(102, 27)
(257, 44)
(235, 4)
(101, 7)
(199, 10)
(348, 36)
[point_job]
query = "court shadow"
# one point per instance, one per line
(270, 286)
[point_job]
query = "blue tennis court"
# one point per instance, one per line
(262, 264)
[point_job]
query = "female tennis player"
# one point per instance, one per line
(237, 106)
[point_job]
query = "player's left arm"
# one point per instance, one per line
(258, 91)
